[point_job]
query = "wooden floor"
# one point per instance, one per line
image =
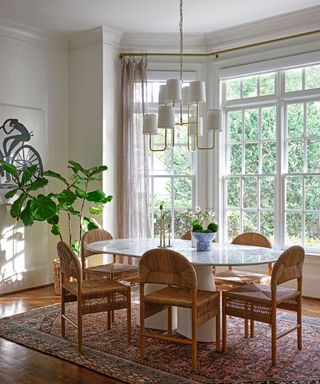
(22, 365)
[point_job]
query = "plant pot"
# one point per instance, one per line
(204, 240)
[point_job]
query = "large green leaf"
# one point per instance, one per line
(37, 184)
(76, 167)
(43, 208)
(66, 197)
(96, 170)
(56, 230)
(81, 193)
(95, 210)
(53, 220)
(28, 173)
(78, 180)
(17, 206)
(55, 175)
(11, 193)
(9, 168)
(26, 215)
(88, 224)
(98, 196)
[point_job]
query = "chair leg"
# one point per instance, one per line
(273, 337)
(169, 320)
(194, 337)
(224, 325)
(299, 323)
(79, 324)
(246, 328)
(251, 328)
(63, 312)
(142, 341)
(129, 316)
(218, 329)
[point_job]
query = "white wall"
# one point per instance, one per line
(33, 74)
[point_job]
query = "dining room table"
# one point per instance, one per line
(202, 261)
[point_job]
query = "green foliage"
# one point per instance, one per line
(30, 205)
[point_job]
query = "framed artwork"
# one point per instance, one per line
(21, 139)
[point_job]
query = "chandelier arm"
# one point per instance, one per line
(160, 149)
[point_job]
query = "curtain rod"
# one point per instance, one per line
(227, 50)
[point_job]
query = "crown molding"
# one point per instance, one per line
(167, 42)
(266, 29)
(103, 35)
(32, 35)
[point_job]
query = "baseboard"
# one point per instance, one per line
(26, 289)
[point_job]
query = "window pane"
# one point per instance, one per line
(235, 125)
(267, 84)
(293, 228)
(312, 233)
(293, 80)
(250, 192)
(251, 158)
(181, 223)
(250, 221)
(313, 118)
(233, 192)
(250, 88)
(233, 223)
(181, 163)
(161, 163)
(233, 89)
(312, 192)
(182, 192)
(312, 75)
(251, 124)
(294, 192)
(295, 120)
(267, 192)
(235, 159)
(267, 224)
(313, 156)
(295, 156)
(268, 123)
(269, 157)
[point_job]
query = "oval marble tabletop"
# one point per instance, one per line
(220, 254)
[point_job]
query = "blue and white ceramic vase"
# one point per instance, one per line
(204, 240)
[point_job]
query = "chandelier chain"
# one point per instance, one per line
(181, 40)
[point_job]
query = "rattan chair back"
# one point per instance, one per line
(289, 266)
(91, 237)
(69, 263)
(252, 238)
(164, 266)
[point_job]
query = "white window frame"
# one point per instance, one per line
(281, 99)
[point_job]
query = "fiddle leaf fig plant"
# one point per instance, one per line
(76, 198)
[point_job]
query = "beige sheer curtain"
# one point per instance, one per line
(133, 202)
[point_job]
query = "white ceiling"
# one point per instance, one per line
(144, 16)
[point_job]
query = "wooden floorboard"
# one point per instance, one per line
(21, 365)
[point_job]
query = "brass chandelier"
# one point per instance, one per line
(173, 100)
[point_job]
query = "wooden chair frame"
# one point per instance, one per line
(167, 267)
(253, 301)
(91, 295)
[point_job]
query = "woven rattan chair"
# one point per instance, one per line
(91, 295)
(231, 278)
(162, 266)
(115, 271)
(260, 303)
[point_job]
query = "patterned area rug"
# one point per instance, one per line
(107, 352)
